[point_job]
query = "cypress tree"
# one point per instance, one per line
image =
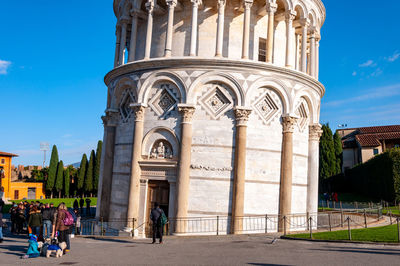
(89, 174)
(327, 165)
(60, 178)
(82, 173)
(51, 177)
(66, 182)
(97, 162)
(337, 141)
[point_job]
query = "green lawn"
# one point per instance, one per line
(377, 234)
(393, 209)
(68, 201)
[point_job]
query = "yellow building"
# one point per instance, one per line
(17, 190)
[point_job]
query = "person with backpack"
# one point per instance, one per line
(63, 223)
(158, 218)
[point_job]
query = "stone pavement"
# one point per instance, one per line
(223, 250)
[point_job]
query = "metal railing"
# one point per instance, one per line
(221, 225)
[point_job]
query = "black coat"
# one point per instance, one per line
(155, 215)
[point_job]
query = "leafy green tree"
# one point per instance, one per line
(82, 173)
(96, 173)
(60, 178)
(89, 174)
(337, 142)
(51, 179)
(66, 182)
(327, 164)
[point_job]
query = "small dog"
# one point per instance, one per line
(57, 249)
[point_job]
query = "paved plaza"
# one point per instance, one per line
(224, 250)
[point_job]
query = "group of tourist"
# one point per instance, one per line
(46, 221)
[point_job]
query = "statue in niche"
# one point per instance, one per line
(161, 150)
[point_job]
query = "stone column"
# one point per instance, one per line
(246, 28)
(312, 53)
(304, 24)
(170, 27)
(285, 191)
(171, 204)
(183, 181)
(134, 187)
(317, 59)
(220, 27)
(149, 31)
(290, 16)
(297, 61)
(242, 116)
(122, 46)
(193, 34)
(315, 133)
(271, 9)
(117, 45)
(132, 44)
(110, 122)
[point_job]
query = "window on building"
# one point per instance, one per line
(261, 49)
(16, 194)
(3, 161)
(376, 151)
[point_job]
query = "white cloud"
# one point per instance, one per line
(369, 63)
(375, 93)
(376, 73)
(394, 57)
(4, 66)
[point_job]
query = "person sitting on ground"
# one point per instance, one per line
(35, 221)
(33, 251)
(155, 217)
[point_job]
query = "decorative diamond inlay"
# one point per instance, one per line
(303, 113)
(124, 109)
(267, 107)
(216, 102)
(164, 101)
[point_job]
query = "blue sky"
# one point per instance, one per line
(54, 55)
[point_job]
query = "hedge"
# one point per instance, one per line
(377, 178)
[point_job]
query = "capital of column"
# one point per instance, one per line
(271, 8)
(304, 22)
(315, 132)
(111, 118)
(187, 112)
(171, 3)
(196, 3)
(290, 15)
(221, 4)
(124, 20)
(247, 4)
(138, 110)
(288, 123)
(149, 5)
(242, 115)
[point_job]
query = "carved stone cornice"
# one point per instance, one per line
(111, 118)
(138, 110)
(187, 112)
(288, 123)
(314, 132)
(242, 115)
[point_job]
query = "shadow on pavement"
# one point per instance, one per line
(118, 240)
(361, 250)
(266, 264)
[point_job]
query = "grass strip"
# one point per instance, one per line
(376, 234)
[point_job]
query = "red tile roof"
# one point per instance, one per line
(7, 154)
(380, 129)
(373, 140)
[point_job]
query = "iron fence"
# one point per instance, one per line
(221, 225)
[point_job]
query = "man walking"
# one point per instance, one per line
(156, 216)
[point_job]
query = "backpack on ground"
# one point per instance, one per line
(68, 220)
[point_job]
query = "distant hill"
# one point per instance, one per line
(75, 165)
